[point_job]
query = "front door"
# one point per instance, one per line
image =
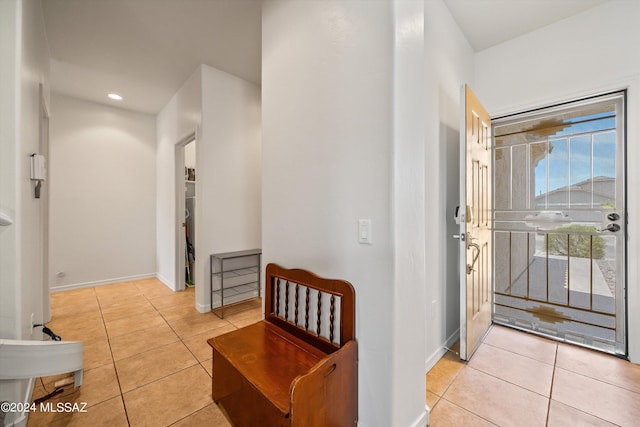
(475, 224)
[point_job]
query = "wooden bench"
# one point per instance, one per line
(298, 366)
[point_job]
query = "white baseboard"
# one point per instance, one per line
(436, 355)
(423, 419)
(167, 282)
(203, 308)
(102, 282)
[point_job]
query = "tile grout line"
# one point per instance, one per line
(181, 339)
(508, 382)
(519, 354)
(113, 360)
(553, 377)
(467, 410)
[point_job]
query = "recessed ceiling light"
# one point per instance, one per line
(115, 96)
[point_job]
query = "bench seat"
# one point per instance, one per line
(256, 352)
(298, 366)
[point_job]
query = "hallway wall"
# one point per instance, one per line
(23, 67)
(327, 153)
(103, 194)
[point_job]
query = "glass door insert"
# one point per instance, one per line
(560, 222)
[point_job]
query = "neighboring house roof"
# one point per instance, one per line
(604, 189)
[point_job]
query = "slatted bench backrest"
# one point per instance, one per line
(319, 311)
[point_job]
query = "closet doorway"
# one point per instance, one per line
(186, 208)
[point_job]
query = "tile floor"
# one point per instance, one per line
(517, 379)
(146, 362)
(146, 359)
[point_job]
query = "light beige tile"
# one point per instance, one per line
(126, 308)
(174, 312)
(446, 414)
(561, 415)
(208, 366)
(115, 299)
(240, 321)
(432, 399)
(199, 323)
(522, 343)
(209, 416)
(252, 304)
(519, 370)
(98, 385)
(82, 332)
(169, 399)
(176, 298)
(74, 294)
(108, 413)
(443, 373)
(602, 400)
(198, 345)
(75, 320)
(74, 306)
(599, 366)
(77, 298)
(140, 341)
(96, 353)
(153, 288)
(130, 324)
(143, 368)
(122, 288)
(496, 400)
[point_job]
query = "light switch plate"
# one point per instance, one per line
(364, 232)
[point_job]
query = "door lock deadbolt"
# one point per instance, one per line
(613, 216)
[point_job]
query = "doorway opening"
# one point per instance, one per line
(186, 208)
(190, 211)
(559, 222)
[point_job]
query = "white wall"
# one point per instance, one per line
(409, 204)
(327, 132)
(103, 201)
(449, 66)
(177, 120)
(228, 170)
(586, 54)
(24, 66)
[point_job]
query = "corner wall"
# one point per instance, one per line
(327, 162)
(590, 53)
(228, 172)
(224, 110)
(449, 66)
(177, 120)
(103, 197)
(24, 66)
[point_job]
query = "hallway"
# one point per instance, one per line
(517, 379)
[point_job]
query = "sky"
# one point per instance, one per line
(571, 151)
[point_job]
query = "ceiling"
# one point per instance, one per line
(146, 49)
(486, 23)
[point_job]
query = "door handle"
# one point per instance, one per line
(611, 227)
(475, 256)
